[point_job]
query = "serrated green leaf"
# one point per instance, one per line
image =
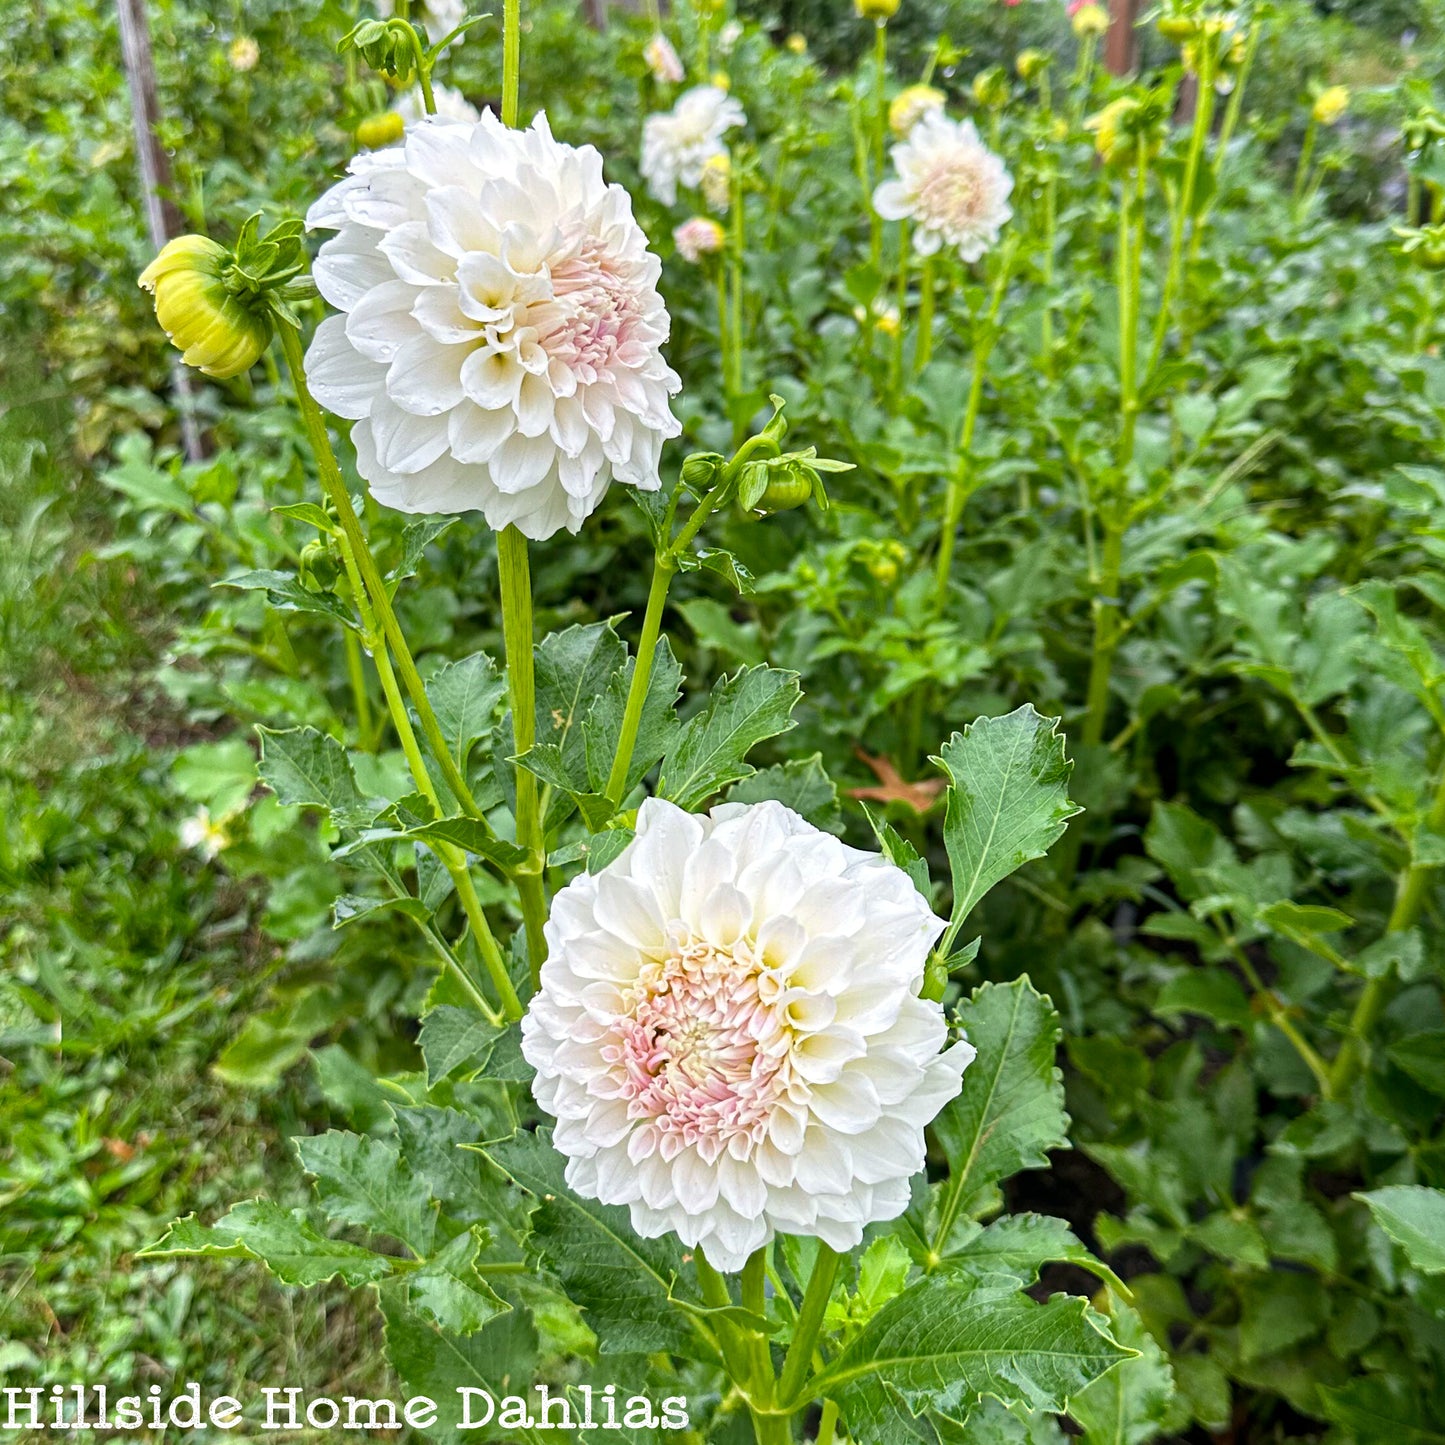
(574, 667)
(449, 1290)
(465, 696)
(284, 1240)
(1008, 799)
(753, 704)
(453, 1039)
(942, 1345)
(471, 835)
(1010, 1111)
(623, 1284)
(416, 537)
(1020, 1245)
(350, 908)
(1422, 1056)
(285, 593)
(1131, 1403)
(310, 769)
(1414, 1217)
(361, 1181)
(499, 1359)
(801, 784)
(602, 727)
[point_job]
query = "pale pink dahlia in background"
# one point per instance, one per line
(678, 143)
(662, 60)
(949, 185)
(729, 1033)
(698, 237)
(500, 342)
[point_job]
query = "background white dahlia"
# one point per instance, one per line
(500, 342)
(678, 143)
(949, 185)
(729, 1033)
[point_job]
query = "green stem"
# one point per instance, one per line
(360, 698)
(810, 1319)
(423, 72)
(1232, 113)
(896, 365)
(923, 347)
(739, 247)
(662, 569)
(769, 1426)
(373, 585)
(511, 59)
(1106, 635)
(1184, 201)
(1409, 902)
(1278, 1014)
(1051, 222)
(1306, 155)
(453, 859)
(827, 1424)
(880, 94)
(515, 572)
(724, 330)
(1082, 83)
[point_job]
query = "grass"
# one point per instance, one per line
(126, 964)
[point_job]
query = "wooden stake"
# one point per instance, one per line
(1119, 44)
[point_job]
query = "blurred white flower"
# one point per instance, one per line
(729, 1033)
(950, 185)
(451, 105)
(500, 347)
(244, 53)
(728, 37)
(203, 833)
(698, 237)
(678, 143)
(662, 60)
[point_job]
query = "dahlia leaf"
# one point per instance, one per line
(943, 1344)
(416, 537)
(800, 784)
(453, 1039)
(1008, 799)
(1414, 1217)
(753, 704)
(362, 1181)
(285, 593)
(310, 769)
(499, 1359)
(1011, 1109)
(574, 667)
(628, 1288)
(285, 1241)
(464, 696)
(1132, 1403)
(449, 1289)
(602, 729)
(1020, 1245)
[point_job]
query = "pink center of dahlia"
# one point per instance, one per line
(700, 1055)
(950, 191)
(595, 313)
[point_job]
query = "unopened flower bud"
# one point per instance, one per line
(797, 43)
(1425, 246)
(243, 54)
(384, 128)
(1331, 104)
(1031, 64)
(319, 569)
(909, 107)
(877, 10)
(990, 88)
(700, 470)
(213, 329)
(1090, 20)
(1177, 28)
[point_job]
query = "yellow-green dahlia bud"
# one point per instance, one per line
(1177, 28)
(213, 331)
(1031, 64)
(384, 128)
(990, 87)
(876, 9)
(1090, 20)
(1331, 104)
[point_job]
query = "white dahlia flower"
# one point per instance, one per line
(451, 105)
(950, 185)
(500, 347)
(662, 61)
(729, 1034)
(678, 143)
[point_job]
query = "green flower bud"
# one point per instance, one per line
(319, 568)
(214, 330)
(384, 128)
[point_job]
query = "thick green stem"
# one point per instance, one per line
(511, 59)
(1106, 636)
(662, 569)
(769, 1426)
(515, 572)
(1409, 901)
(1082, 83)
(373, 585)
(360, 698)
(827, 1424)
(810, 1320)
(1302, 170)
(1051, 224)
(923, 347)
(880, 94)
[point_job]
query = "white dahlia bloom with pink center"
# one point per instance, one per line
(729, 1034)
(500, 342)
(949, 185)
(678, 143)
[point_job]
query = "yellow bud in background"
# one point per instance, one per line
(1331, 104)
(1177, 28)
(1032, 63)
(797, 43)
(990, 87)
(909, 106)
(879, 10)
(384, 128)
(1118, 129)
(721, 79)
(1089, 20)
(212, 329)
(1059, 130)
(716, 181)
